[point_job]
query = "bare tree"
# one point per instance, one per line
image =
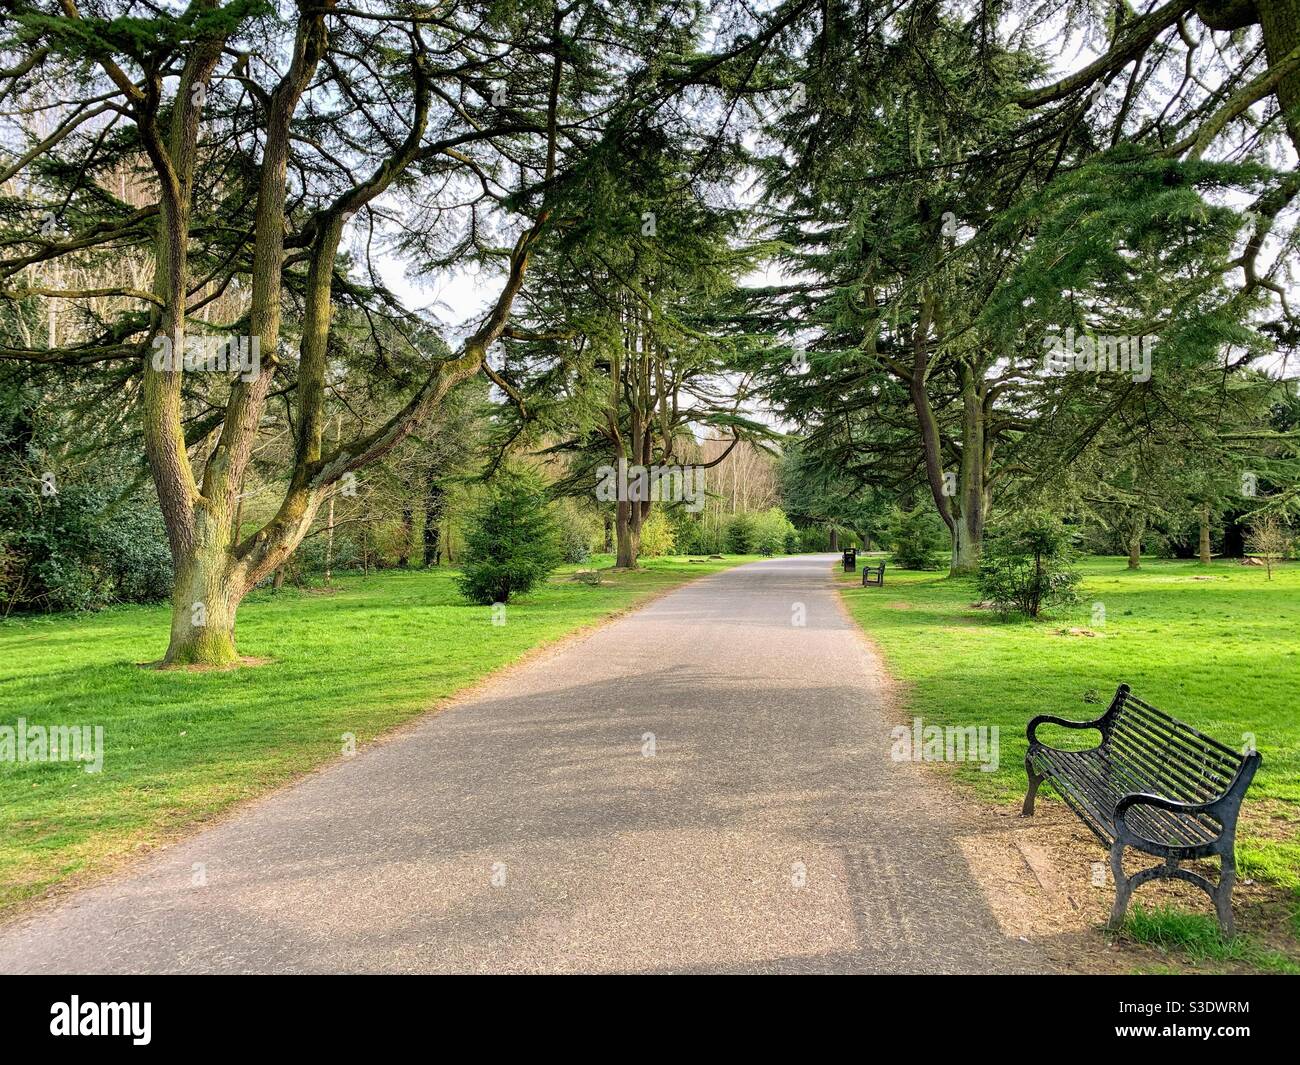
(1270, 541)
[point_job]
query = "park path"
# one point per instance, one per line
(529, 828)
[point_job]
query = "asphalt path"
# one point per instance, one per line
(704, 785)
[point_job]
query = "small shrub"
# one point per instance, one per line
(814, 538)
(771, 529)
(916, 537)
(1270, 540)
(657, 535)
(512, 542)
(572, 550)
(1027, 565)
(310, 556)
(741, 533)
(694, 537)
(577, 531)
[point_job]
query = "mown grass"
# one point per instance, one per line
(1198, 938)
(1216, 646)
(181, 747)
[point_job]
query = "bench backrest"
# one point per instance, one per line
(1171, 757)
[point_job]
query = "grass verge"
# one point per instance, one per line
(1197, 937)
(1217, 646)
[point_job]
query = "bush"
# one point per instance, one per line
(699, 536)
(741, 533)
(916, 536)
(657, 536)
(1270, 541)
(1027, 565)
(310, 556)
(512, 541)
(690, 535)
(771, 529)
(577, 531)
(792, 541)
(814, 538)
(80, 549)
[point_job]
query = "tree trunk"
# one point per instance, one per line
(835, 538)
(408, 523)
(1204, 551)
(970, 501)
(963, 510)
(435, 499)
(609, 534)
(210, 578)
(1279, 22)
(628, 530)
(1135, 543)
(204, 600)
(967, 544)
(329, 543)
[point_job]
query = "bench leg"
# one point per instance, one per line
(1034, 780)
(1123, 887)
(1223, 895)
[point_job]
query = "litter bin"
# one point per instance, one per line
(850, 559)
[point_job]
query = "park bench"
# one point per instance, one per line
(873, 574)
(1154, 784)
(850, 559)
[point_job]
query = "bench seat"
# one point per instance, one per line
(1097, 784)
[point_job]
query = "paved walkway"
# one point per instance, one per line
(528, 829)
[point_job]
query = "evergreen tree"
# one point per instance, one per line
(512, 541)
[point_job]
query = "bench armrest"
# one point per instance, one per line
(1048, 719)
(1145, 798)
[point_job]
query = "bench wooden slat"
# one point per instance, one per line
(1172, 762)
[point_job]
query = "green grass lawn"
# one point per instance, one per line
(1216, 646)
(181, 747)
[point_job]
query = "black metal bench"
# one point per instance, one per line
(1154, 784)
(873, 574)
